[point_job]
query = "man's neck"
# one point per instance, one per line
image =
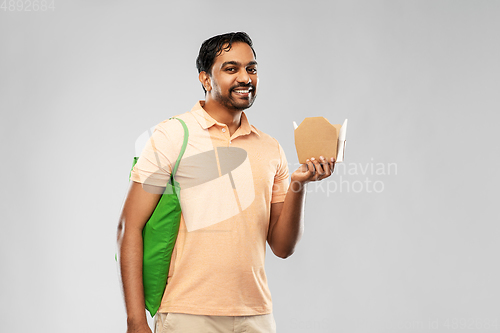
(232, 118)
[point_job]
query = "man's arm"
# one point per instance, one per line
(138, 207)
(286, 224)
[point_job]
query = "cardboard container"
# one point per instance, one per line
(316, 137)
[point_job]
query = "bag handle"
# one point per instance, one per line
(183, 149)
(184, 144)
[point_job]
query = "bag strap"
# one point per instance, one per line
(183, 149)
(184, 144)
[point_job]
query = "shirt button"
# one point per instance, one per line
(223, 130)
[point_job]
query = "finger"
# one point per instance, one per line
(318, 167)
(309, 167)
(312, 167)
(303, 167)
(333, 164)
(322, 168)
(326, 166)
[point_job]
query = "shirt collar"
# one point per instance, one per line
(206, 120)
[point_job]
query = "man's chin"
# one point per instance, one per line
(240, 106)
(237, 104)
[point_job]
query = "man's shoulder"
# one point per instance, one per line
(266, 140)
(170, 124)
(262, 135)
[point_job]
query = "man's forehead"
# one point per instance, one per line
(240, 53)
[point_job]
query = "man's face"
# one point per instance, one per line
(234, 77)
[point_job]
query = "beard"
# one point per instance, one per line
(231, 102)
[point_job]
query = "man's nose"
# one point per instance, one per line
(243, 77)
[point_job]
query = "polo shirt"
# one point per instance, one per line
(228, 183)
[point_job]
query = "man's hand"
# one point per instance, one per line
(313, 170)
(143, 328)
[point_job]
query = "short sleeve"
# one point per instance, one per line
(159, 155)
(281, 182)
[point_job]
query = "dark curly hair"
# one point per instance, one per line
(213, 47)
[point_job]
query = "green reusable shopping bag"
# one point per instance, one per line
(159, 236)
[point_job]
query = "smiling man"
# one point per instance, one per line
(230, 79)
(235, 196)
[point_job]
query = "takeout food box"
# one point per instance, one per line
(316, 137)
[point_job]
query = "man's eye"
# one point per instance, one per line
(230, 69)
(252, 70)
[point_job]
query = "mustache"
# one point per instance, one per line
(244, 86)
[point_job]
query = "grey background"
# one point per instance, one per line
(418, 81)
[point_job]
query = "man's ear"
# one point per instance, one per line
(205, 81)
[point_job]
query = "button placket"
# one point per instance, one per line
(226, 136)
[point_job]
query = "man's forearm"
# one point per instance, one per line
(290, 225)
(130, 247)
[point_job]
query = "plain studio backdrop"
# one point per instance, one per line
(402, 238)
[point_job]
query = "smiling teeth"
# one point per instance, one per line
(242, 91)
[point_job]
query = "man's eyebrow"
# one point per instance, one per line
(235, 63)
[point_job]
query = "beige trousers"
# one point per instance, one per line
(188, 323)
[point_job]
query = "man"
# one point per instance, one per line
(234, 196)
